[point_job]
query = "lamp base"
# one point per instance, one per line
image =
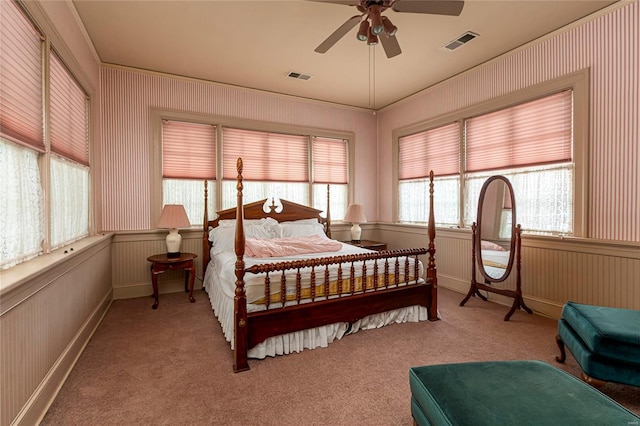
(174, 239)
(356, 232)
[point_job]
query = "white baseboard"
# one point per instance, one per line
(36, 407)
(541, 307)
(132, 290)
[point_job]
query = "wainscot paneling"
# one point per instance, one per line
(46, 320)
(554, 270)
(132, 271)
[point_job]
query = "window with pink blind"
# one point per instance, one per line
(296, 167)
(69, 132)
(21, 85)
(188, 150)
(329, 160)
(32, 170)
(189, 158)
(273, 157)
(530, 143)
(534, 133)
(434, 149)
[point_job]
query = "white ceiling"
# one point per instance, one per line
(256, 43)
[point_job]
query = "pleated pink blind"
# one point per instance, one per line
(329, 160)
(69, 119)
(21, 76)
(435, 149)
(188, 150)
(534, 133)
(266, 156)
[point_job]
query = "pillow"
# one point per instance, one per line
(223, 237)
(488, 245)
(288, 229)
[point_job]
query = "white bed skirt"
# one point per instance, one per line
(222, 304)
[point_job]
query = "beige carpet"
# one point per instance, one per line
(173, 367)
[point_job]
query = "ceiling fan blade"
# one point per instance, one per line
(434, 7)
(338, 34)
(390, 45)
(344, 2)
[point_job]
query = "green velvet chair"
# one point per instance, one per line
(604, 341)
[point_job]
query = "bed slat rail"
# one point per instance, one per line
(405, 271)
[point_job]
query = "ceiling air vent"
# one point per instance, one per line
(464, 38)
(298, 75)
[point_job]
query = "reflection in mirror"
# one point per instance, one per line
(496, 232)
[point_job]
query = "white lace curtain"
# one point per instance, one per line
(544, 197)
(21, 206)
(69, 201)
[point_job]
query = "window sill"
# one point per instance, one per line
(14, 281)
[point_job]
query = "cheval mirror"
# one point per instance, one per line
(496, 243)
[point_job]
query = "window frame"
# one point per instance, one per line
(577, 81)
(158, 114)
(52, 44)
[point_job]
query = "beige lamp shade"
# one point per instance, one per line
(173, 216)
(355, 215)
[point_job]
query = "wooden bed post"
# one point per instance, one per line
(241, 337)
(431, 266)
(205, 237)
(328, 228)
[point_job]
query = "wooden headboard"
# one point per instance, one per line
(290, 211)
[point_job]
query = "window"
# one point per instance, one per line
(21, 137)
(45, 180)
(419, 153)
(188, 159)
(294, 166)
(531, 145)
(69, 167)
(536, 141)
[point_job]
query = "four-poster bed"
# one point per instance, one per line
(291, 298)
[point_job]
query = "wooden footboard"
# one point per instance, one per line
(364, 284)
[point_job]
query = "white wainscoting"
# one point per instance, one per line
(131, 270)
(46, 319)
(554, 270)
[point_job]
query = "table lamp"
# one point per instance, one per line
(355, 215)
(173, 217)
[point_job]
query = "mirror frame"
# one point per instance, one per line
(478, 242)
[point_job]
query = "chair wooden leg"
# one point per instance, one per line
(563, 354)
(596, 383)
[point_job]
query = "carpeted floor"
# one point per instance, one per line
(173, 367)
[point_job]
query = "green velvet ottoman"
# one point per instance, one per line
(605, 342)
(509, 393)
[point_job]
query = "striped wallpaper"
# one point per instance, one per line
(128, 96)
(609, 45)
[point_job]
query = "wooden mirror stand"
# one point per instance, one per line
(496, 217)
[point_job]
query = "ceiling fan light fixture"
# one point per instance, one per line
(363, 31)
(372, 40)
(376, 20)
(389, 28)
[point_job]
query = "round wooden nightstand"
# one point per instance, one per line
(162, 262)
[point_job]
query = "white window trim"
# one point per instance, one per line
(577, 81)
(157, 115)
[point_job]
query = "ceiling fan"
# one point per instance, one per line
(374, 26)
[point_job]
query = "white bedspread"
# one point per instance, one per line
(219, 282)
